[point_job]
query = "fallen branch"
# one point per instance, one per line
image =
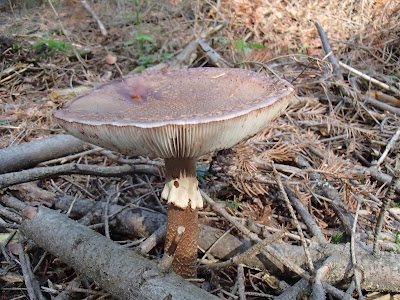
(39, 173)
(121, 272)
(384, 207)
(31, 283)
(328, 50)
(133, 222)
(294, 220)
(378, 95)
(306, 216)
(389, 147)
(94, 15)
(371, 101)
(380, 105)
(382, 178)
(30, 154)
(318, 289)
(188, 55)
(327, 190)
(294, 291)
(370, 79)
(212, 55)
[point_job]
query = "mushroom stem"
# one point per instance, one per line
(181, 188)
(185, 256)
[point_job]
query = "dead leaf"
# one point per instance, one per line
(12, 277)
(111, 59)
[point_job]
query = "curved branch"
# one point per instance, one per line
(9, 179)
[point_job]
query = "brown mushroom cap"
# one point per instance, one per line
(183, 113)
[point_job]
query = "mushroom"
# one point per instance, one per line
(179, 116)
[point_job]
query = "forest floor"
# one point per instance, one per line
(335, 149)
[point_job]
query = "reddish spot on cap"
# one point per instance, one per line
(136, 97)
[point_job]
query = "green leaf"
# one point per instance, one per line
(302, 48)
(144, 37)
(393, 77)
(240, 45)
(234, 204)
(165, 56)
(257, 46)
(336, 238)
(146, 59)
(52, 45)
(221, 39)
(127, 43)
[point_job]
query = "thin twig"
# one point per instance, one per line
(35, 282)
(306, 216)
(328, 51)
(40, 262)
(293, 291)
(63, 160)
(251, 252)
(227, 216)
(213, 245)
(137, 161)
(350, 290)
(389, 146)
(94, 15)
(294, 218)
(379, 104)
(168, 258)
(370, 79)
(352, 249)
(155, 238)
(240, 280)
(318, 290)
(68, 294)
(385, 205)
(115, 195)
(39, 173)
(85, 291)
(25, 272)
(155, 195)
(78, 56)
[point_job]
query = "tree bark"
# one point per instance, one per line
(28, 155)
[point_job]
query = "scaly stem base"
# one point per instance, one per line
(185, 260)
(181, 191)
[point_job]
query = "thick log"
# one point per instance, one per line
(28, 155)
(120, 271)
